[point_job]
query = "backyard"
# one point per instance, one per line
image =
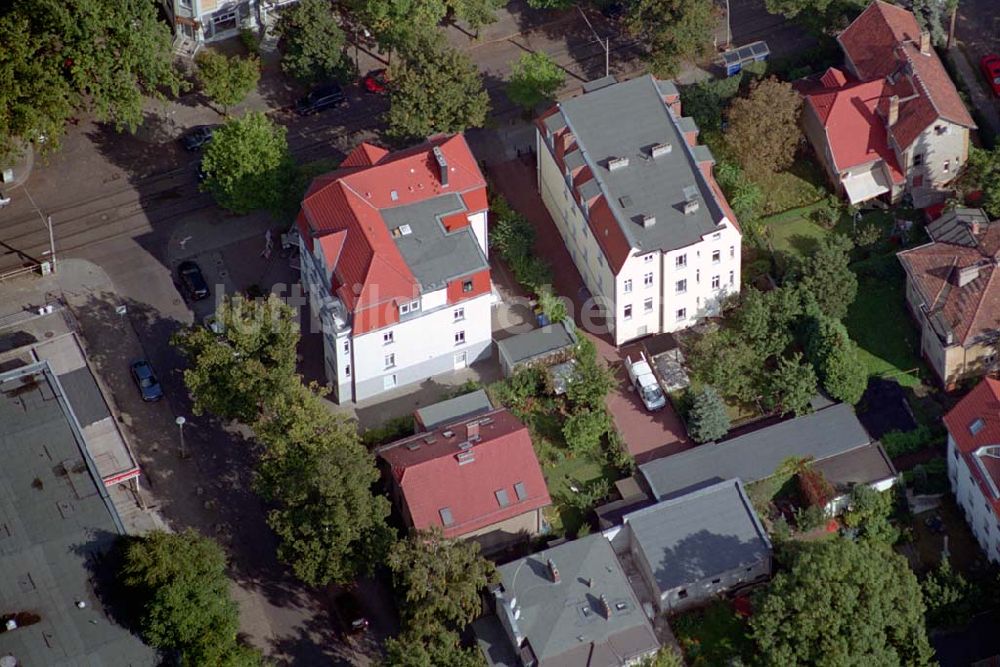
(714, 635)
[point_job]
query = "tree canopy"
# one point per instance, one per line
(836, 359)
(226, 81)
(842, 603)
(707, 419)
(436, 88)
(982, 174)
(311, 41)
(672, 30)
(763, 130)
(248, 165)
(827, 277)
(534, 78)
(180, 582)
(791, 386)
(592, 379)
(431, 646)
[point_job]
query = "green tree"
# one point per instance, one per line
(728, 362)
(672, 30)
(534, 78)
(742, 193)
(592, 379)
(436, 88)
(180, 582)
(475, 13)
(948, 596)
(430, 646)
(550, 4)
(584, 429)
(763, 130)
(982, 174)
(836, 359)
(398, 24)
(827, 277)
(232, 375)
(226, 81)
(553, 305)
(765, 319)
(247, 165)
(792, 385)
(312, 43)
(869, 511)
(318, 478)
(708, 419)
(842, 603)
(439, 579)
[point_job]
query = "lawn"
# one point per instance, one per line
(713, 636)
(794, 233)
(801, 185)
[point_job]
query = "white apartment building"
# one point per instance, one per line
(974, 462)
(635, 201)
(394, 258)
(196, 22)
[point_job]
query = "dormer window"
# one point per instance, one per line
(976, 426)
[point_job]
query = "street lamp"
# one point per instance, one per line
(180, 421)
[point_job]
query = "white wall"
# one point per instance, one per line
(478, 221)
(978, 512)
(940, 150)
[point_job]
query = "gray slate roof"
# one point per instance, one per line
(522, 348)
(454, 409)
(55, 516)
(954, 226)
(700, 535)
(562, 621)
(625, 120)
(433, 255)
(819, 435)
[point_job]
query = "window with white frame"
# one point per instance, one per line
(459, 338)
(716, 257)
(647, 280)
(628, 311)
(347, 346)
(715, 282)
(627, 286)
(347, 370)
(388, 338)
(390, 360)
(458, 314)
(681, 286)
(697, 276)
(647, 306)
(410, 307)
(648, 258)
(732, 277)
(732, 252)
(716, 236)
(682, 314)
(680, 261)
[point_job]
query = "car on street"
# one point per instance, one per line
(348, 609)
(145, 380)
(319, 99)
(990, 64)
(192, 281)
(197, 137)
(641, 375)
(376, 81)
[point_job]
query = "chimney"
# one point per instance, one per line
(967, 274)
(661, 149)
(605, 607)
(925, 43)
(691, 206)
(472, 431)
(974, 227)
(648, 220)
(553, 571)
(442, 166)
(893, 114)
(616, 163)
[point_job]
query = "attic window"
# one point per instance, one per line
(402, 230)
(502, 497)
(976, 426)
(520, 490)
(446, 517)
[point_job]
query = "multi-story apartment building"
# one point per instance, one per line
(634, 198)
(199, 21)
(394, 258)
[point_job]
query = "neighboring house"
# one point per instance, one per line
(477, 479)
(832, 438)
(452, 410)
(394, 260)
(953, 291)
(893, 121)
(634, 199)
(196, 22)
(567, 606)
(695, 547)
(974, 462)
(538, 346)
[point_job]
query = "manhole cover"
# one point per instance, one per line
(49, 334)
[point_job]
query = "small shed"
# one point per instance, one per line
(539, 346)
(735, 60)
(454, 409)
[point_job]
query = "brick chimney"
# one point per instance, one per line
(442, 166)
(925, 43)
(553, 571)
(893, 114)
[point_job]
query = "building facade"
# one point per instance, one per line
(196, 22)
(635, 201)
(394, 259)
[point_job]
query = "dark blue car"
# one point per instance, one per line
(145, 379)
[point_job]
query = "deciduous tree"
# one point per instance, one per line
(672, 30)
(247, 165)
(842, 603)
(708, 419)
(982, 174)
(226, 81)
(534, 78)
(592, 379)
(312, 43)
(827, 277)
(729, 363)
(763, 130)
(475, 13)
(584, 429)
(431, 646)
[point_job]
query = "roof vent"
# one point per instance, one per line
(442, 165)
(413, 446)
(617, 163)
(661, 149)
(465, 457)
(405, 230)
(649, 220)
(691, 206)
(605, 607)
(967, 274)
(393, 195)
(553, 571)
(448, 434)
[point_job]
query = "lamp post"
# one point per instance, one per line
(180, 421)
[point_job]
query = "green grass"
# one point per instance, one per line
(801, 185)
(577, 471)
(712, 636)
(794, 233)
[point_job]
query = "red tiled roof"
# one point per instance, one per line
(871, 38)
(983, 402)
(428, 472)
(854, 131)
(364, 155)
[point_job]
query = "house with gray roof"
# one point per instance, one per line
(832, 438)
(56, 522)
(637, 205)
(697, 546)
(567, 606)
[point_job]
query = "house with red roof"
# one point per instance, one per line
(953, 292)
(891, 121)
(394, 259)
(974, 462)
(634, 198)
(475, 478)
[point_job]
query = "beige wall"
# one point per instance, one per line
(499, 535)
(943, 153)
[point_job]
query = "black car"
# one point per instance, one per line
(319, 99)
(145, 379)
(348, 609)
(192, 281)
(198, 136)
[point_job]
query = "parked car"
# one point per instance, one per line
(197, 137)
(145, 379)
(319, 99)
(376, 81)
(348, 610)
(192, 281)
(990, 64)
(641, 375)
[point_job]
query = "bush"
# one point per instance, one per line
(584, 431)
(707, 417)
(388, 431)
(809, 518)
(515, 392)
(897, 443)
(249, 38)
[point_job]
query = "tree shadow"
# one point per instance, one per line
(803, 244)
